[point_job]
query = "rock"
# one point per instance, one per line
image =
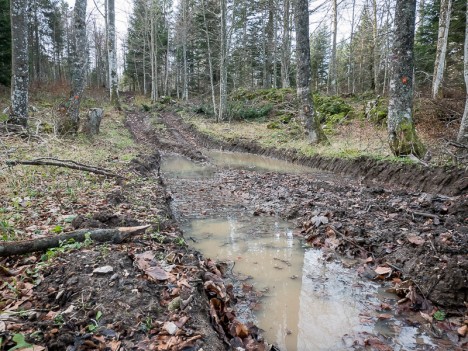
(103, 270)
(170, 327)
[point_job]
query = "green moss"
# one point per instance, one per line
(404, 141)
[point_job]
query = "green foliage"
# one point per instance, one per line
(67, 246)
(20, 341)
(93, 326)
(320, 57)
(7, 232)
(240, 111)
(331, 109)
(439, 315)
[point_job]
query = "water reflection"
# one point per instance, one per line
(309, 303)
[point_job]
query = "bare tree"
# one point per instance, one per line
(184, 49)
(401, 132)
(441, 53)
(210, 61)
(20, 62)
(375, 46)
(286, 45)
(332, 84)
(307, 112)
(223, 62)
(113, 80)
(79, 63)
(463, 132)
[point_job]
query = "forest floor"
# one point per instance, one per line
(154, 292)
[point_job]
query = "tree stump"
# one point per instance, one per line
(93, 121)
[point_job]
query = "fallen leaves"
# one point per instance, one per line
(145, 261)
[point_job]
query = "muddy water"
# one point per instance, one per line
(309, 303)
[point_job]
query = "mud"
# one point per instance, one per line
(374, 220)
(444, 180)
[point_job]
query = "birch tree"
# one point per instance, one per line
(286, 46)
(463, 132)
(20, 62)
(210, 61)
(306, 111)
(401, 132)
(442, 41)
(113, 80)
(79, 62)
(375, 46)
(333, 70)
(223, 62)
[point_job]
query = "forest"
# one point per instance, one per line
(233, 175)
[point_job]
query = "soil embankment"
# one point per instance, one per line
(444, 180)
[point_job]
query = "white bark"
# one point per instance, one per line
(223, 64)
(463, 132)
(441, 53)
(376, 47)
(210, 61)
(20, 62)
(333, 65)
(184, 49)
(113, 79)
(79, 63)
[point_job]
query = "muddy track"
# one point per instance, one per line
(389, 217)
(442, 180)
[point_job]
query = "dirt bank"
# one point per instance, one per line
(444, 180)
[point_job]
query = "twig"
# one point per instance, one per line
(64, 163)
(423, 214)
(349, 240)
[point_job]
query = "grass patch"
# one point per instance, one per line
(46, 195)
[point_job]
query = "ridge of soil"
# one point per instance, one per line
(444, 180)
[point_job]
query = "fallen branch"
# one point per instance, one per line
(115, 235)
(63, 163)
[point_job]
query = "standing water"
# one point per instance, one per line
(309, 303)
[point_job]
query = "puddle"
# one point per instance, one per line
(308, 304)
(179, 166)
(182, 167)
(240, 160)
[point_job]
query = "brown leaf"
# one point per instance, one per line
(383, 316)
(416, 240)
(241, 330)
(381, 270)
(157, 273)
(463, 330)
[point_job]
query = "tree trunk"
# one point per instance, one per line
(333, 73)
(401, 132)
(79, 62)
(184, 49)
(351, 56)
(286, 46)
(307, 112)
(375, 47)
(223, 64)
(113, 81)
(210, 61)
(463, 132)
(441, 52)
(20, 64)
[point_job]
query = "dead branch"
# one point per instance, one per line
(115, 235)
(64, 163)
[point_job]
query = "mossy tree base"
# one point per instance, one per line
(404, 141)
